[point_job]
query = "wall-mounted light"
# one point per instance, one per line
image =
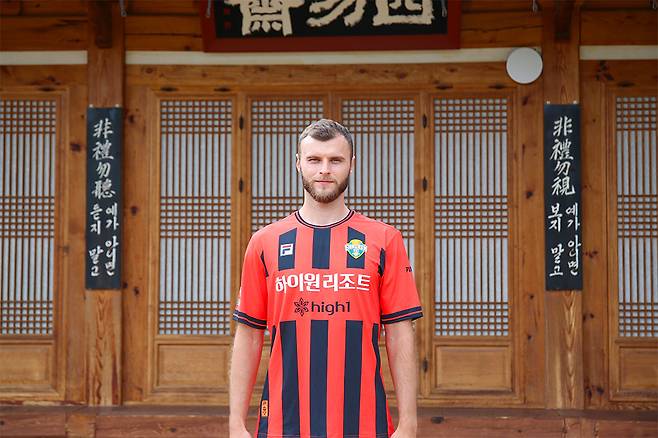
(524, 65)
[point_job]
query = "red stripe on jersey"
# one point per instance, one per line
(335, 378)
(367, 420)
(275, 368)
(304, 372)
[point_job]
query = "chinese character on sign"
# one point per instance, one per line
(562, 168)
(339, 6)
(561, 150)
(414, 12)
(103, 169)
(562, 186)
(102, 151)
(266, 15)
(103, 189)
(103, 128)
(563, 126)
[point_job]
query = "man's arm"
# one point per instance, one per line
(245, 359)
(402, 358)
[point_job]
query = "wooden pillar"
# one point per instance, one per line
(564, 334)
(105, 75)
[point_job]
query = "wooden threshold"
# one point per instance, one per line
(205, 421)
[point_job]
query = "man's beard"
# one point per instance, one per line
(325, 197)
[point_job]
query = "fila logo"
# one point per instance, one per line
(286, 249)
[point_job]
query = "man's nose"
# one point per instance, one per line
(325, 166)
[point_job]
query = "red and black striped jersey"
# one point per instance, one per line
(324, 292)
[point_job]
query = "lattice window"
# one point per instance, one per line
(195, 217)
(275, 128)
(383, 183)
(637, 216)
(28, 130)
(471, 228)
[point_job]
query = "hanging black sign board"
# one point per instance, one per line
(318, 25)
(562, 206)
(103, 234)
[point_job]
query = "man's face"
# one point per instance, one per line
(325, 167)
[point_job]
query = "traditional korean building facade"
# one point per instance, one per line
(450, 151)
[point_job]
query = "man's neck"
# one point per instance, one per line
(318, 213)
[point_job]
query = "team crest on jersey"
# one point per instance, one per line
(356, 248)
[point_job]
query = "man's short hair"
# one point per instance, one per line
(325, 130)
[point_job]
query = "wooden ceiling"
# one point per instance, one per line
(190, 7)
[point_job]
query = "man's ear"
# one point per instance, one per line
(353, 163)
(297, 162)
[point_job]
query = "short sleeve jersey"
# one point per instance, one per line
(324, 292)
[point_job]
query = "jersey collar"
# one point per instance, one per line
(343, 220)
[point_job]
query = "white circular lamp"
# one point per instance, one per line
(524, 65)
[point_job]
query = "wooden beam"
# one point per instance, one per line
(563, 12)
(564, 344)
(100, 23)
(103, 312)
(10, 7)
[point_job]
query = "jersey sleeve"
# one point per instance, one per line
(251, 308)
(398, 296)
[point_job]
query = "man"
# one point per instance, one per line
(323, 281)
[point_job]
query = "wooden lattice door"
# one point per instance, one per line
(31, 357)
(472, 347)
(633, 251)
(191, 248)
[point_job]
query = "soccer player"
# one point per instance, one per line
(324, 281)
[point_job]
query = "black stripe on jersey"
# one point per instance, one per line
(290, 386)
(381, 420)
(273, 339)
(401, 312)
(412, 313)
(262, 259)
(287, 243)
(263, 421)
(359, 263)
(245, 319)
(263, 424)
(411, 316)
(352, 379)
(321, 248)
(318, 383)
(382, 262)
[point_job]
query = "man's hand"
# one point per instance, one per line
(404, 432)
(239, 433)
